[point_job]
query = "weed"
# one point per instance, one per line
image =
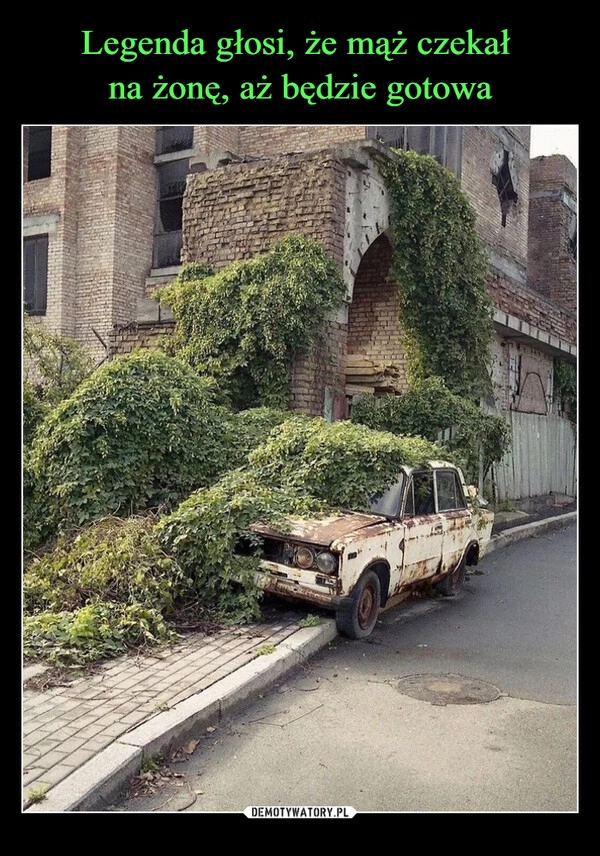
(310, 621)
(266, 649)
(36, 795)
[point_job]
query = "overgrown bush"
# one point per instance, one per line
(252, 427)
(429, 408)
(245, 324)
(204, 531)
(306, 467)
(53, 367)
(94, 632)
(108, 588)
(34, 411)
(141, 432)
(339, 463)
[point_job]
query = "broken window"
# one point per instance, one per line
(504, 178)
(39, 149)
(174, 138)
(443, 142)
(35, 274)
(168, 239)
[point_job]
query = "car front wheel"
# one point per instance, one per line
(358, 619)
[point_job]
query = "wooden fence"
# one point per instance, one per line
(542, 460)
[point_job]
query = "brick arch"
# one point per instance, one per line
(373, 327)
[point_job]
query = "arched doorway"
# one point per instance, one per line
(375, 362)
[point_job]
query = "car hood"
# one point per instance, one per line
(323, 531)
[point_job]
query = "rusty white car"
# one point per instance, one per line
(425, 530)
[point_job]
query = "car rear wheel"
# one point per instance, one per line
(358, 619)
(451, 585)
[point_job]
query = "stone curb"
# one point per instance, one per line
(529, 530)
(98, 783)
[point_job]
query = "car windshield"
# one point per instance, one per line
(387, 502)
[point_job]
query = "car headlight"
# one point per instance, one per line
(327, 562)
(304, 557)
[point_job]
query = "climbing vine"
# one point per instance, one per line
(245, 324)
(565, 387)
(440, 266)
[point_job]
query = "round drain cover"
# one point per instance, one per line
(448, 689)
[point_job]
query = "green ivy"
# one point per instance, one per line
(305, 468)
(141, 432)
(440, 267)
(101, 591)
(245, 325)
(429, 409)
(565, 386)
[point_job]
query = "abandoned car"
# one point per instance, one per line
(424, 530)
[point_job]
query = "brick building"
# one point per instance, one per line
(111, 212)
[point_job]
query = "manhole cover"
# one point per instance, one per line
(448, 689)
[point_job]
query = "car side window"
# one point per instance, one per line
(449, 491)
(419, 497)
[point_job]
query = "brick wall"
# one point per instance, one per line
(102, 193)
(268, 140)
(136, 191)
(481, 144)
(525, 304)
(237, 211)
(551, 261)
(126, 338)
(213, 138)
(320, 372)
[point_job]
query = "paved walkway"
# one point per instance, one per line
(84, 740)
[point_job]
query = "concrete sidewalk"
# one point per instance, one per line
(84, 741)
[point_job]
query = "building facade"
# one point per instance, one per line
(110, 214)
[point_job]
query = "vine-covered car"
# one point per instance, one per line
(426, 529)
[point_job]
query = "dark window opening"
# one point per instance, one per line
(35, 274)
(504, 183)
(168, 239)
(171, 214)
(174, 138)
(39, 152)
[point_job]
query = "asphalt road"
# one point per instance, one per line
(451, 705)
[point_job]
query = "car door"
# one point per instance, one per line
(456, 518)
(423, 529)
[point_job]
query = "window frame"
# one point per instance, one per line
(35, 282)
(39, 155)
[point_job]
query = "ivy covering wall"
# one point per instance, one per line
(245, 325)
(440, 267)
